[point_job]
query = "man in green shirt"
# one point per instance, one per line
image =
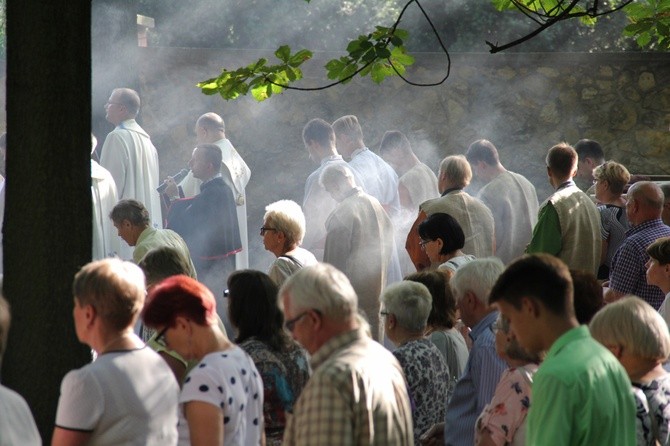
(581, 394)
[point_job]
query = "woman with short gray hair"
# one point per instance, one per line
(406, 306)
(283, 230)
(638, 336)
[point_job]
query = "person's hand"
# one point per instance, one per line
(171, 189)
(434, 436)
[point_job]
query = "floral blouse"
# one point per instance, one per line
(504, 417)
(427, 377)
(653, 411)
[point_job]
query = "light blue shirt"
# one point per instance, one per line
(377, 178)
(476, 387)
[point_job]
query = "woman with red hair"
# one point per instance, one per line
(222, 396)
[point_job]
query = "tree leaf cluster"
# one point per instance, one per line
(649, 23)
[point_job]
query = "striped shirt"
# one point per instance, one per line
(613, 227)
(476, 387)
(628, 274)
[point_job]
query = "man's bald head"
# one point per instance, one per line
(210, 128)
(129, 99)
(645, 202)
(648, 194)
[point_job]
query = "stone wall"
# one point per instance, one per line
(523, 103)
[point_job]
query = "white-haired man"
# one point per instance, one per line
(406, 306)
(471, 285)
(211, 129)
(357, 393)
(471, 214)
(130, 156)
(359, 239)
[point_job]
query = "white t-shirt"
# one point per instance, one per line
(227, 379)
(126, 397)
(17, 426)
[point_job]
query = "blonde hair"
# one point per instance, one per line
(616, 175)
(287, 217)
(115, 288)
(634, 325)
(457, 169)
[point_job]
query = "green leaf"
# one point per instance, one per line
(643, 39)
(400, 56)
(369, 56)
(283, 53)
(300, 57)
(402, 33)
(383, 53)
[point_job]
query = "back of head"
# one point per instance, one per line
(648, 195)
(616, 175)
(161, 263)
(287, 217)
(253, 308)
(336, 175)
(660, 250)
(131, 210)
(478, 277)
(587, 148)
(114, 288)
(635, 326)
(542, 277)
(562, 160)
(410, 303)
(444, 227)
(482, 150)
(212, 122)
(179, 296)
(395, 140)
(588, 295)
(212, 154)
(457, 170)
(348, 125)
(319, 131)
(129, 99)
(322, 287)
(443, 311)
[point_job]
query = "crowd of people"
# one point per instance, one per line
(400, 309)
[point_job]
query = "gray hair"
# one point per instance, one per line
(410, 303)
(634, 325)
(287, 217)
(336, 174)
(457, 170)
(478, 277)
(322, 287)
(348, 125)
(129, 99)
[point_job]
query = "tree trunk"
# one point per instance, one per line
(47, 226)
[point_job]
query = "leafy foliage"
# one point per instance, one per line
(650, 23)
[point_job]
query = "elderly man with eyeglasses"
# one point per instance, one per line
(357, 393)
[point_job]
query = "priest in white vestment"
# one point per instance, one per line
(130, 156)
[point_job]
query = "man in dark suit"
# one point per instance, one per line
(208, 221)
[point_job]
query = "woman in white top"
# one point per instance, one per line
(442, 238)
(128, 395)
(222, 397)
(283, 230)
(658, 271)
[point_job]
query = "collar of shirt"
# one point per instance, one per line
(565, 184)
(218, 175)
(644, 226)
(566, 338)
(146, 233)
(357, 151)
(334, 344)
(484, 324)
(331, 158)
(452, 189)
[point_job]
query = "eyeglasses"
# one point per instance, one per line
(226, 293)
(160, 338)
(384, 313)
(423, 243)
(497, 326)
(264, 230)
(290, 324)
